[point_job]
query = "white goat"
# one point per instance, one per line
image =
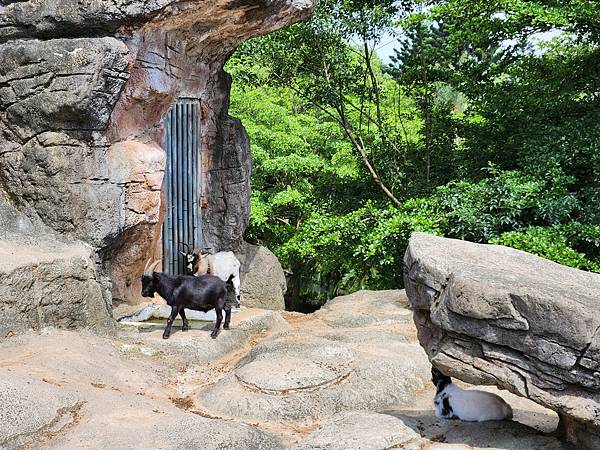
(452, 402)
(223, 265)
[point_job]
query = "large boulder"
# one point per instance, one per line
(362, 430)
(31, 407)
(263, 282)
(494, 315)
(49, 284)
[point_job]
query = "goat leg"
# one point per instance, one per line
(215, 331)
(174, 312)
(186, 325)
(227, 309)
(236, 285)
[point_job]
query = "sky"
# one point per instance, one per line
(386, 48)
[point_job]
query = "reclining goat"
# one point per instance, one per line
(452, 402)
(182, 291)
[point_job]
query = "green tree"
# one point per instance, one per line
(475, 131)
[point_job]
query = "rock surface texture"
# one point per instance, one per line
(263, 283)
(84, 87)
(275, 380)
(494, 315)
(45, 284)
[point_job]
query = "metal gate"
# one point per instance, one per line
(182, 222)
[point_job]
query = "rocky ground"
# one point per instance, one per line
(350, 376)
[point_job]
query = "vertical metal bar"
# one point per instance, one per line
(197, 210)
(180, 178)
(174, 191)
(184, 170)
(166, 236)
(199, 174)
(172, 212)
(188, 175)
(169, 196)
(194, 199)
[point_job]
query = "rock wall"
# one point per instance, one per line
(83, 90)
(494, 315)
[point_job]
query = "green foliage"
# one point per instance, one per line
(480, 211)
(572, 244)
(359, 250)
(480, 128)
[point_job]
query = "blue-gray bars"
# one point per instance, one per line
(183, 168)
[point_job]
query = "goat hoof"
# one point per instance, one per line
(214, 336)
(185, 328)
(226, 327)
(166, 335)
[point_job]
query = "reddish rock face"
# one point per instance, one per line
(81, 118)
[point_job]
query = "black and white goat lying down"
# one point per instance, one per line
(201, 293)
(452, 402)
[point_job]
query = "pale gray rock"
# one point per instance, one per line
(187, 432)
(364, 308)
(263, 283)
(30, 407)
(196, 346)
(49, 284)
(310, 374)
(362, 430)
(152, 393)
(457, 435)
(61, 84)
(494, 315)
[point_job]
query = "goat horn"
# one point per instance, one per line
(149, 270)
(186, 246)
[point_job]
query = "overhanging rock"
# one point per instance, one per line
(84, 88)
(490, 314)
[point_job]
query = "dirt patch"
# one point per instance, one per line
(183, 402)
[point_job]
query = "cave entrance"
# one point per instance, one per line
(182, 223)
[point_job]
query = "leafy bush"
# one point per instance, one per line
(573, 244)
(364, 249)
(507, 200)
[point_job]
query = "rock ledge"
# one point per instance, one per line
(494, 315)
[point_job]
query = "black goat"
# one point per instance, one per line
(182, 291)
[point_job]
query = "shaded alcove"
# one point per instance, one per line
(182, 224)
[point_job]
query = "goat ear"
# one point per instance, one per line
(439, 379)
